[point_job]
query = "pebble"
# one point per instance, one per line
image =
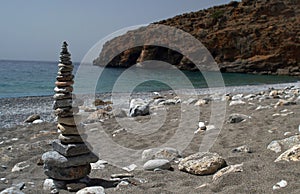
(237, 102)
(123, 175)
(202, 126)
(32, 118)
(130, 168)
(92, 190)
(20, 166)
(280, 184)
(98, 165)
(243, 148)
(38, 121)
(237, 118)
(157, 163)
(227, 170)
(122, 184)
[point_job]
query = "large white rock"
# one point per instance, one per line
(138, 107)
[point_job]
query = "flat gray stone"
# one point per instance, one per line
(71, 139)
(157, 164)
(70, 149)
(53, 158)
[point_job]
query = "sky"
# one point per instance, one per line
(35, 29)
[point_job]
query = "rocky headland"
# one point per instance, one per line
(251, 36)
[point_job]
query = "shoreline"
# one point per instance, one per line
(13, 111)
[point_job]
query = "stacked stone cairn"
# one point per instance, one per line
(69, 162)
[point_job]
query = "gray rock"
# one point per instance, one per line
(70, 149)
(157, 163)
(32, 118)
(11, 190)
(202, 163)
(91, 190)
(62, 103)
(161, 153)
(237, 118)
(138, 107)
(50, 184)
(237, 97)
(67, 173)
(278, 145)
(170, 102)
(53, 158)
(274, 146)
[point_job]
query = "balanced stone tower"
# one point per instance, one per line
(69, 162)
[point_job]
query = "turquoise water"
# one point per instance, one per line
(32, 78)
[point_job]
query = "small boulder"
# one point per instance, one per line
(138, 107)
(202, 163)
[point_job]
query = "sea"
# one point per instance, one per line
(37, 78)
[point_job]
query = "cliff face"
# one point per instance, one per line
(252, 36)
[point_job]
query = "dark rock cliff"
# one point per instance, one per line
(251, 36)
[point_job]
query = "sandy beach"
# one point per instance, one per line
(266, 121)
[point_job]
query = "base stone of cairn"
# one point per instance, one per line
(69, 162)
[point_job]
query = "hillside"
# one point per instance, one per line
(251, 36)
